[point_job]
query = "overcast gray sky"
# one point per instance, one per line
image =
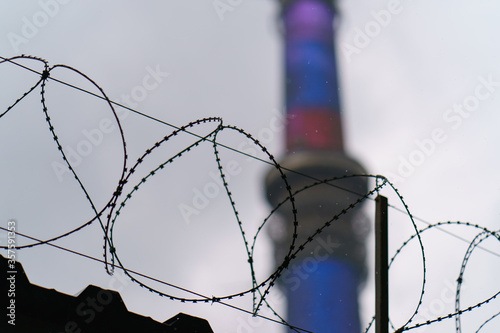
(420, 91)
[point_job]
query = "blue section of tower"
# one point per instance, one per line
(310, 57)
(325, 299)
(312, 83)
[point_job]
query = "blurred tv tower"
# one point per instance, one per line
(323, 282)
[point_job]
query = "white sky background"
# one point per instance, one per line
(395, 91)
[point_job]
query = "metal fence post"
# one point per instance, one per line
(381, 266)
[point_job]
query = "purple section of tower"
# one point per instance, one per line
(312, 94)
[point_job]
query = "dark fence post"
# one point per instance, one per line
(381, 266)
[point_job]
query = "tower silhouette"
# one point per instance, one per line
(322, 282)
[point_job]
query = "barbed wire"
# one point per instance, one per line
(11, 60)
(109, 213)
(483, 234)
(208, 299)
